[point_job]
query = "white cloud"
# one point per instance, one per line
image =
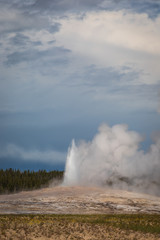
(14, 151)
(115, 39)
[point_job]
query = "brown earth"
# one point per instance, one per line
(54, 227)
(78, 200)
(72, 200)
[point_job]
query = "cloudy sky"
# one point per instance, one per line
(67, 66)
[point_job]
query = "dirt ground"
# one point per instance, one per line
(78, 200)
(61, 200)
(60, 229)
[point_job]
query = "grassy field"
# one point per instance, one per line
(125, 226)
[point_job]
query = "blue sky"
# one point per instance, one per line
(67, 66)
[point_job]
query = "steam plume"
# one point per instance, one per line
(113, 158)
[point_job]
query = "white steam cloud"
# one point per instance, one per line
(113, 159)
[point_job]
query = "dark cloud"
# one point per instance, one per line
(13, 19)
(42, 130)
(33, 55)
(105, 77)
(66, 5)
(21, 40)
(17, 163)
(112, 82)
(20, 23)
(54, 28)
(34, 7)
(150, 7)
(158, 102)
(51, 42)
(18, 16)
(37, 43)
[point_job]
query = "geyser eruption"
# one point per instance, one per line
(113, 158)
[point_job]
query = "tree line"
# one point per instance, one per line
(15, 180)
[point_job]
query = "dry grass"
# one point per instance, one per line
(30, 227)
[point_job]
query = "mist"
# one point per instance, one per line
(114, 159)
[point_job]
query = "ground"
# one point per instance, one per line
(79, 213)
(93, 227)
(78, 200)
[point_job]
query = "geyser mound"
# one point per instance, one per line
(113, 158)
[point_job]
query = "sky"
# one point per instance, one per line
(68, 66)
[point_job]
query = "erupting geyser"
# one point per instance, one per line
(113, 158)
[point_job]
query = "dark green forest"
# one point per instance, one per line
(12, 181)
